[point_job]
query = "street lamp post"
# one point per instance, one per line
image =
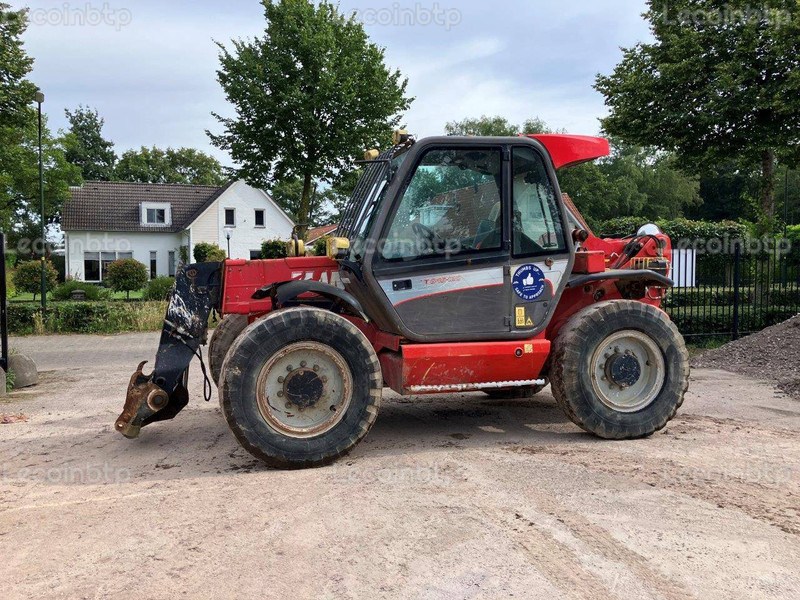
(39, 100)
(228, 237)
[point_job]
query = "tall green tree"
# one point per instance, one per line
(482, 126)
(16, 91)
(495, 125)
(19, 175)
(86, 147)
(718, 83)
(181, 165)
(325, 202)
(310, 95)
(20, 191)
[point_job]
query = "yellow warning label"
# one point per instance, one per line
(529, 322)
(521, 316)
(528, 348)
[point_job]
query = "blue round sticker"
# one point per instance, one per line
(529, 282)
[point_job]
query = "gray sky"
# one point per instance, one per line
(149, 67)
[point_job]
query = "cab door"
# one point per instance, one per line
(541, 253)
(443, 258)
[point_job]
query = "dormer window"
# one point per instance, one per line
(156, 214)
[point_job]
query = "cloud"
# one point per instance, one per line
(154, 79)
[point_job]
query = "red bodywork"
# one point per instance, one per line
(424, 368)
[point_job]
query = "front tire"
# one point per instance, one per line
(300, 388)
(221, 340)
(620, 369)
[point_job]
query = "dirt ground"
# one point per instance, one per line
(452, 496)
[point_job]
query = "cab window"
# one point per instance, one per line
(451, 206)
(537, 225)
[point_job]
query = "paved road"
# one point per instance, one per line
(452, 496)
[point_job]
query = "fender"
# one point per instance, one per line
(282, 293)
(645, 276)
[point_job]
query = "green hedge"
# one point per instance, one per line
(93, 292)
(25, 318)
(676, 229)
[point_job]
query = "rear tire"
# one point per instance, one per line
(620, 369)
(300, 388)
(221, 340)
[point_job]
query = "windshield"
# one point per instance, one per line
(367, 196)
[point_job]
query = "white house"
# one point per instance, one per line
(104, 221)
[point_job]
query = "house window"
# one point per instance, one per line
(157, 214)
(153, 265)
(260, 222)
(230, 217)
(95, 264)
(91, 266)
(171, 261)
(106, 258)
(255, 254)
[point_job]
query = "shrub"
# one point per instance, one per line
(205, 252)
(64, 291)
(677, 229)
(159, 288)
(126, 275)
(274, 249)
(321, 246)
(216, 255)
(28, 277)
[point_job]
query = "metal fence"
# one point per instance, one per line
(732, 292)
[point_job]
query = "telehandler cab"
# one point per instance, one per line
(458, 266)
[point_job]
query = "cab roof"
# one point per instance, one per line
(569, 150)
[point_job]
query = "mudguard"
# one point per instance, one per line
(283, 293)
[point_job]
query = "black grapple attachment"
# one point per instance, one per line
(163, 394)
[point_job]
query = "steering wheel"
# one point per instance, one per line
(425, 232)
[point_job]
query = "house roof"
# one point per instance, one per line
(115, 205)
(318, 232)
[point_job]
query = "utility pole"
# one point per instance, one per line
(39, 101)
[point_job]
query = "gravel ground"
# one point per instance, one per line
(772, 354)
(452, 496)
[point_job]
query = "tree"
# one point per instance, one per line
(86, 147)
(16, 92)
(310, 95)
(495, 126)
(19, 176)
(717, 84)
(484, 125)
(633, 181)
(19, 182)
(182, 165)
(28, 277)
(324, 204)
(126, 275)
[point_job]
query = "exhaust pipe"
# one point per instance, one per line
(163, 393)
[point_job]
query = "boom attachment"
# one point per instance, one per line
(163, 394)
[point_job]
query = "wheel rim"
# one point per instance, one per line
(304, 390)
(628, 371)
